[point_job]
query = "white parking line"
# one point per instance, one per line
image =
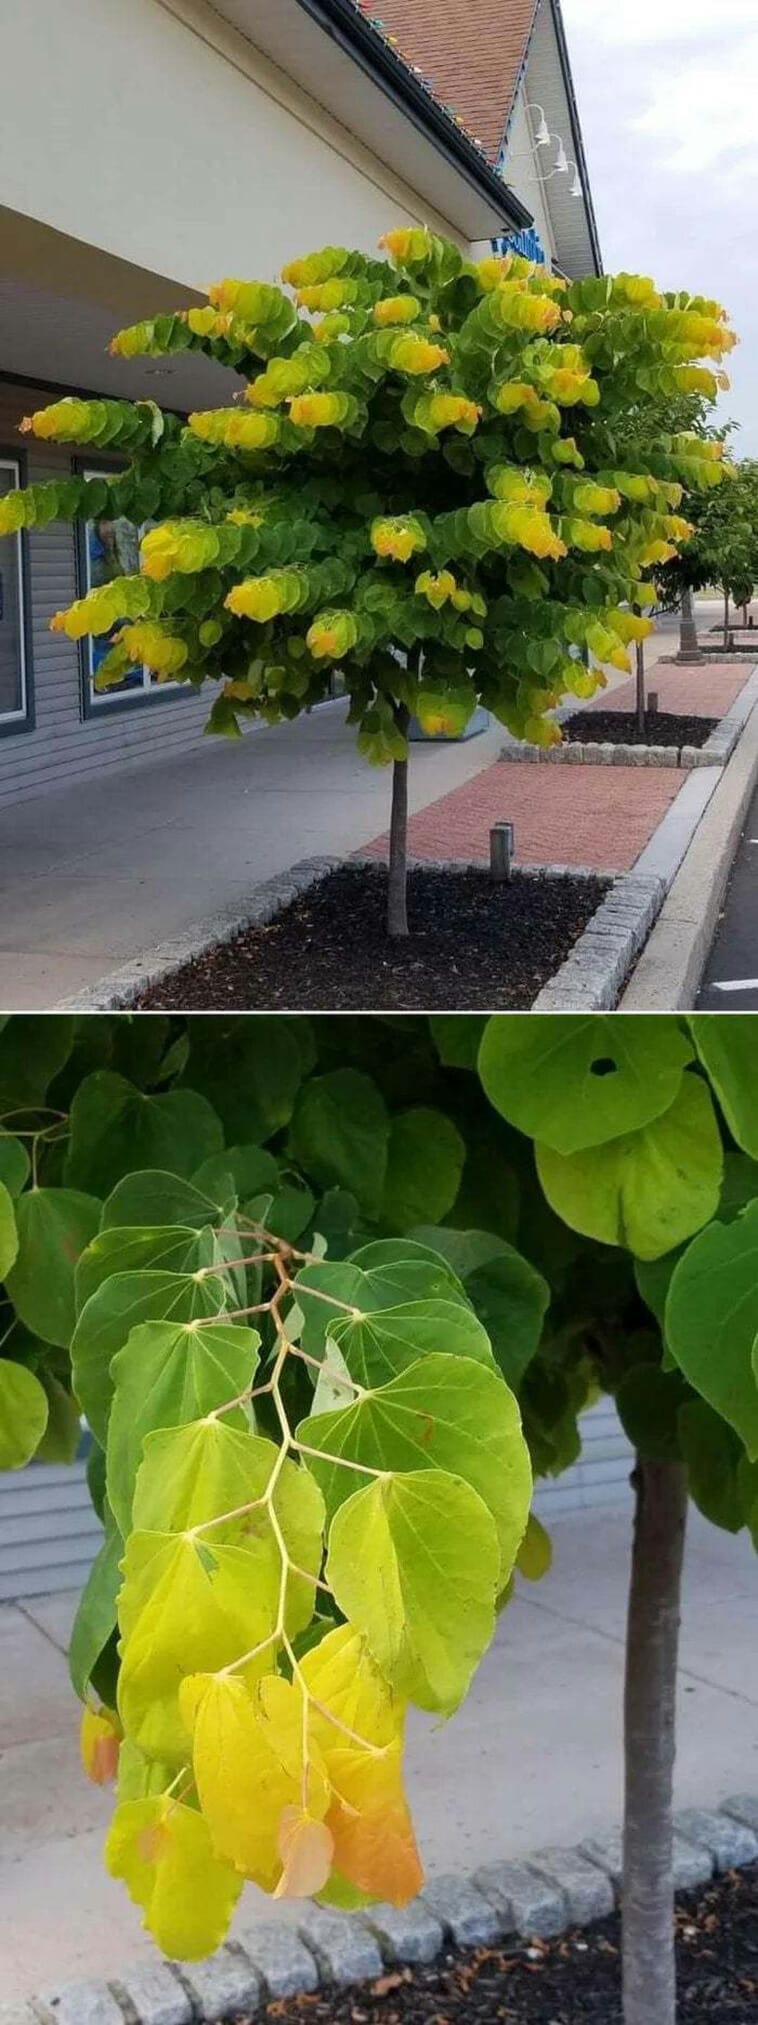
(734, 984)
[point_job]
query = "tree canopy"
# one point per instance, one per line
(425, 485)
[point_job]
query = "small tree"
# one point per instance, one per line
(723, 547)
(298, 1326)
(421, 487)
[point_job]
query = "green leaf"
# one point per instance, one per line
(121, 1249)
(340, 1133)
(63, 1433)
(152, 1197)
(509, 1297)
(33, 1048)
(444, 1413)
(118, 1306)
(95, 1620)
(457, 1038)
(650, 1189)
(577, 1080)
(54, 1226)
(377, 1346)
(116, 1127)
(713, 1456)
(169, 1373)
(712, 1321)
(391, 1273)
(15, 1165)
(8, 1232)
(424, 1167)
(23, 1414)
(648, 1401)
(414, 1563)
(727, 1050)
(249, 1169)
(250, 1069)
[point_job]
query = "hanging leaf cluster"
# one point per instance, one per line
(330, 1295)
(420, 479)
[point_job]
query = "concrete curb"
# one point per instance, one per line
(533, 1899)
(717, 750)
(668, 974)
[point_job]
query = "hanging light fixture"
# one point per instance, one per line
(543, 136)
(561, 162)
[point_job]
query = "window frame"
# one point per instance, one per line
(93, 708)
(13, 722)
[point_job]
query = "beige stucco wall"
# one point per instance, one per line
(150, 129)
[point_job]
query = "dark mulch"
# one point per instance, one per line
(473, 945)
(564, 1982)
(619, 727)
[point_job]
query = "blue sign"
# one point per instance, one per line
(526, 242)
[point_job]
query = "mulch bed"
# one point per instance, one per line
(473, 945)
(619, 727)
(564, 1982)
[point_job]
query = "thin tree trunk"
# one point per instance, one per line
(640, 681)
(397, 891)
(688, 640)
(726, 618)
(649, 1743)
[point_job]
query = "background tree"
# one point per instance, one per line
(723, 548)
(317, 1264)
(424, 487)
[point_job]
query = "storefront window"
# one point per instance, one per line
(13, 672)
(111, 549)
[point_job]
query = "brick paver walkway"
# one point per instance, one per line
(570, 815)
(696, 692)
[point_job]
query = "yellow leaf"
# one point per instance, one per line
(162, 1851)
(185, 1608)
(248, 1761)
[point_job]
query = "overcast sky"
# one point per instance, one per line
(668, 100)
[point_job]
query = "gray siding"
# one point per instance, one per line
(600, 1477)
(65, 746)
(49, 1534)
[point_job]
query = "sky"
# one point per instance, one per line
(668, 102)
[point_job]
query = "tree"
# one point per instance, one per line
(298, 1275)
(723, 548)
(398, 496)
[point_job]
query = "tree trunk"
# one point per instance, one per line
(726, 618)
(688, 640)
(649, 1743)
(397, 891)
(640, 682)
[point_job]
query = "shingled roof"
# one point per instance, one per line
(470, 54)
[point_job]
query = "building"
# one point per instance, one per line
(168, 142)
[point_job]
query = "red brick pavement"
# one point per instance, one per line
(696, 692)
(572, 815)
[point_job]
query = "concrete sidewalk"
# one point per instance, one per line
(94, 875)
(533, 1757)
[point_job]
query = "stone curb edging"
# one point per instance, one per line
(598, 966)
(534, 1898)
(717, 750)
(119, 988)
(668, 973)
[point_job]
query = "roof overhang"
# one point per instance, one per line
(329, 50)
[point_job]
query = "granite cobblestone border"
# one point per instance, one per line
(535, 1898)
(717, 750)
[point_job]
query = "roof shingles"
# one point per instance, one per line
(469, 54)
